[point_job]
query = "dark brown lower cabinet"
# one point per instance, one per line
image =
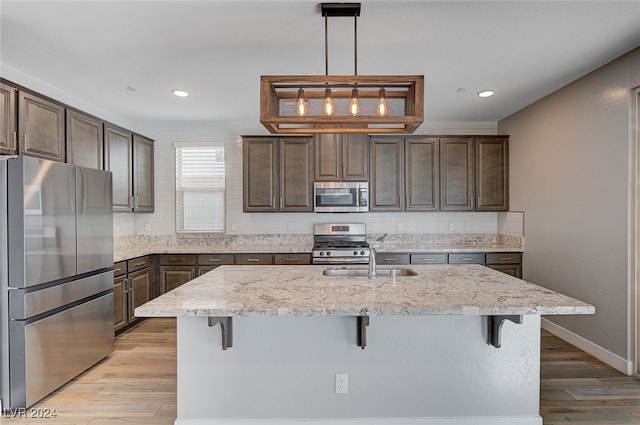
(176, 270)
(132, 287)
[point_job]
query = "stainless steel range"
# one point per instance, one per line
(340, 244)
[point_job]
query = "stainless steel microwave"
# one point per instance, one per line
(341, 196)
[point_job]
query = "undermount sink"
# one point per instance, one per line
(380, 272)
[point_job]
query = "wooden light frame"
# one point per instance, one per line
(277, 89)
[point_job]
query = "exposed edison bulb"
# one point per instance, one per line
(301, 104)
(329, 108)
(354, 106)
(382, 109)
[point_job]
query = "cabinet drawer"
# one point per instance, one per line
(385, 258)
(139, 263)
(177, 260)
(292, 259)
(504, 258)
(214, 259)
(253, 259)
(471, 258)
(119, 268)
(428, 258)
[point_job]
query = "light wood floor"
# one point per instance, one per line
(137, 385)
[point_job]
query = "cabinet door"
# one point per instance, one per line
(514, 270)
(355, 157)
(173, 276)
(387, 174)
(120, 316)
(118, 157)
(421, 174)
(341, 157)
(456, 174)
(84, 140)
(296, 174)
(8, 120)
(41, 127)
(260, 174)
(492, 173)
(142, 174)
(327, 157)
(139, 290)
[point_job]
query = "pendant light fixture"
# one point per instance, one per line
(341, 103)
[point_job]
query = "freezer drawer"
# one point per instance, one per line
(24, 305)
(47, 353)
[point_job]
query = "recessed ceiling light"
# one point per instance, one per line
(485, 93)
(131, 88)
(461, 90)
(180, 93)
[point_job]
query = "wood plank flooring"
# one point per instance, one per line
(137, 385)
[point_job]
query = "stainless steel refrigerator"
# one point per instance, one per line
(56, 275)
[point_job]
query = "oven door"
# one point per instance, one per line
(338, 197)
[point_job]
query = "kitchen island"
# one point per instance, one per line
(452, 344)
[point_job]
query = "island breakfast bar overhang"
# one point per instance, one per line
(430, 357)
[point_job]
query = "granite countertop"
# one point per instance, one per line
(304, 291)
(128, 252)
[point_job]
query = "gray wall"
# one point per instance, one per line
(569, 173)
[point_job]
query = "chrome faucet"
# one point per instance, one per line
(372, 263)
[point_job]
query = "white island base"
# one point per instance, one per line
(426, 370)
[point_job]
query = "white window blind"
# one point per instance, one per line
(200, 188)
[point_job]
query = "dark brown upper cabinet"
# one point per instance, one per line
(118, 146)
(143, 174)
(386, 185)
(474, 173)
(84, 140)
(341, 157)
(41, 127)
(130, 158)
(492, 173)
(404, 174)
(8, 117)
(278, 174)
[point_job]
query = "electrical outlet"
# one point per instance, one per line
(147, 227)
(400, 227)
(452, 227)
(290, 227)
(342, 383)
(467, 227)
(234, 227)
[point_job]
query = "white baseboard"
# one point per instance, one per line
(479, 420)
(615, 361)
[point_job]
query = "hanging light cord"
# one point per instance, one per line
(326, 46)
(355, 44)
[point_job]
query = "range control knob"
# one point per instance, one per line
(355, 252)
(328, 253)
(322, 253)
(361, 252)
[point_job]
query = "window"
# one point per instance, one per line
(200, 188)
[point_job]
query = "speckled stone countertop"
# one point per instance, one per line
(131, 247)
(304, 291)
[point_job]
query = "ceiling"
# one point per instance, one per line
(217, 50)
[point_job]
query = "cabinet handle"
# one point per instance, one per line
(253, 260)
(273, 202)
(142, 263)
(174, 260)
(471, 201)
(390, 259)
(281, 202)
(504, 258)
(215, 260)
(428, 259)
(466, 259)
(26, 141)
(15, 140)
(291, 259)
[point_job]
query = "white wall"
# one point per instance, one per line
(162, 221)
(569, 173)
